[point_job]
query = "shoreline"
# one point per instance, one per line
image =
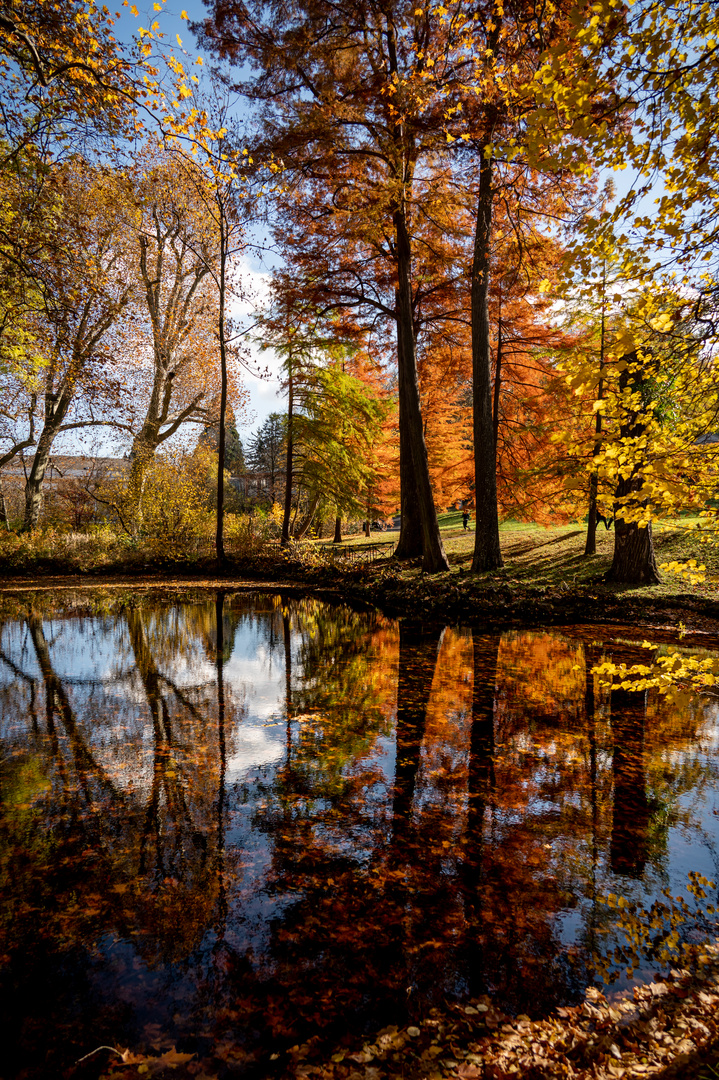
(461, 598)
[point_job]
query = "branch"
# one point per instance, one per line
(17, 449)
(95, 423)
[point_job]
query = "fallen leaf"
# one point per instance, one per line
(173, 1058)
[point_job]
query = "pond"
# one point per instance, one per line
(237, 820)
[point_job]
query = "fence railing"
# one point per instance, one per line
(361, 552)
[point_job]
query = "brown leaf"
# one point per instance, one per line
(173, 1058)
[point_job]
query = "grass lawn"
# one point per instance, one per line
(542, 556)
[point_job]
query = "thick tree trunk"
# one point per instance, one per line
(481, 748)
(141, 454)
(480, 796)
(337, 538)
(631, 811)
(418, 652)
(434, 559)
(56, 407)
(634, 562)
(410, 531)
(487, 553)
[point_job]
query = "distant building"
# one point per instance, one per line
(68, 488)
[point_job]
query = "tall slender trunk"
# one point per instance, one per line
(220, 535)
(3, 509)
(302, 528)
(409, 545)
(590, 547)
(434, 559)
(220, 667)
(487, 553)
(285, 537)
(497, 384)
(480, 796)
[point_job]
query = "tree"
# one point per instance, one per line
(210, 437)
(215, 169)
(660, 64)
(65, 77)
(658, 406)
(334, 409)
(79, 271)
(265, 452)
(172, 260)
(347, 116)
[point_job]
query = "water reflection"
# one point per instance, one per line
(242, 819)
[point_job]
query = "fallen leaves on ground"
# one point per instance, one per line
(669, 1027)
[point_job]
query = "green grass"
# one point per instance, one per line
(552, 556)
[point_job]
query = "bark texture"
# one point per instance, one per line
(409, 545)
(434, 559)
(487, 552)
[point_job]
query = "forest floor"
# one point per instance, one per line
(546, 578)
(667, 1029)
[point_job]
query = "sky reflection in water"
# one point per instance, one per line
(242, 819)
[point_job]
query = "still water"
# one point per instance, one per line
(237, 820)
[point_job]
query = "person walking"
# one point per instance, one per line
(465, 519)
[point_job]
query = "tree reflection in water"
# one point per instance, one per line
(245, 819)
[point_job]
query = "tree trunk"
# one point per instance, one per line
(56, 407)
(222, 746)
(480, 796)
(140, 456)
(590, 548)
(302, 529)
(480, 780)
(285, 537)
(634, 562)
(418, 652)
(409, 545)
(631, 811)
(487, 553)
(337, 538)
(434, 559)
(3, 509)
(220, 534)
(497, 386)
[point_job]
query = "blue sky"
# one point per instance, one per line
(265, 395)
